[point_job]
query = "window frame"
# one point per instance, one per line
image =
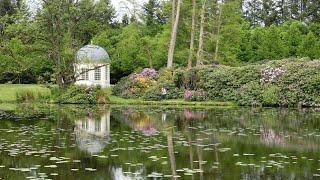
(97, 74)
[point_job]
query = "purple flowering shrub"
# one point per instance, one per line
(147, 73)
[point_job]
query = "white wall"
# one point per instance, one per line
(105, 75)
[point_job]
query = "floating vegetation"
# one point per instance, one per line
(90, 169)
(139, 145)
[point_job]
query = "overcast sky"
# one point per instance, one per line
(121, 6)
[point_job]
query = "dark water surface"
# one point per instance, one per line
(78, 142)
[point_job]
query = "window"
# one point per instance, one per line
(84, 74)
(97, 74)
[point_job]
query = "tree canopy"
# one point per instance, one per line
(39, 47)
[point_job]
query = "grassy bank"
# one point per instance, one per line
(8, 96)
(173, 102)
(9, 92)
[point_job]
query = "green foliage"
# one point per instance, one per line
(155, 93)
(80, 95)
(196, 95)
(289, 83)
(186, 79)
(25, 96)
(135, 85)
(35, 50)
(222, 82)
(32, 95)
(164, 80)
(270, 95)
(250, 94)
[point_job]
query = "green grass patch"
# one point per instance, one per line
(173, 102)
(9, 92)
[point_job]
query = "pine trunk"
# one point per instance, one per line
(191, 51)
(173, 36)
(200, 49)
(218, 35)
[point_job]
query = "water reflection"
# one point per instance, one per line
(92, 131)
(145, 142)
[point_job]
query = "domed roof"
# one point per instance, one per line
(92, 54)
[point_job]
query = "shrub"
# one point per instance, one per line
(187, 79)
(136, 84)
(276, 83)
(154, 93)
(270, 95)
(165, 75)
(82, 95)
(250, 94)
(195, 95)
(222, 83)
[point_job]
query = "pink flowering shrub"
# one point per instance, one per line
(195, 95)
(188, 94)
(270, 74)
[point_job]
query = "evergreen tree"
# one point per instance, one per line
(312, 12)
(252, 10)
(125, 20)
(153, 17)
(7, 7)
(268, 13)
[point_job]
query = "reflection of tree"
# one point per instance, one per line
(190, 152)
(171, 152)
(200, 158)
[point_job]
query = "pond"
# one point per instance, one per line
(128, 142)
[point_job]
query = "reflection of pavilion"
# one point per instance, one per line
(92, 134)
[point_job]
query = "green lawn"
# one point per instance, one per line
(8, 91)
(173, 102)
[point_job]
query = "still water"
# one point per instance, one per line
(77, 142)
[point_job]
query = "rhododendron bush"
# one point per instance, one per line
(136, 84)
(287, 82)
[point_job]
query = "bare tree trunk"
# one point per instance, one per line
(191, 50)
(200, 49)
(56, 28)
(149, 53)
(173, 36)
(218, 34)
(173, 12)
